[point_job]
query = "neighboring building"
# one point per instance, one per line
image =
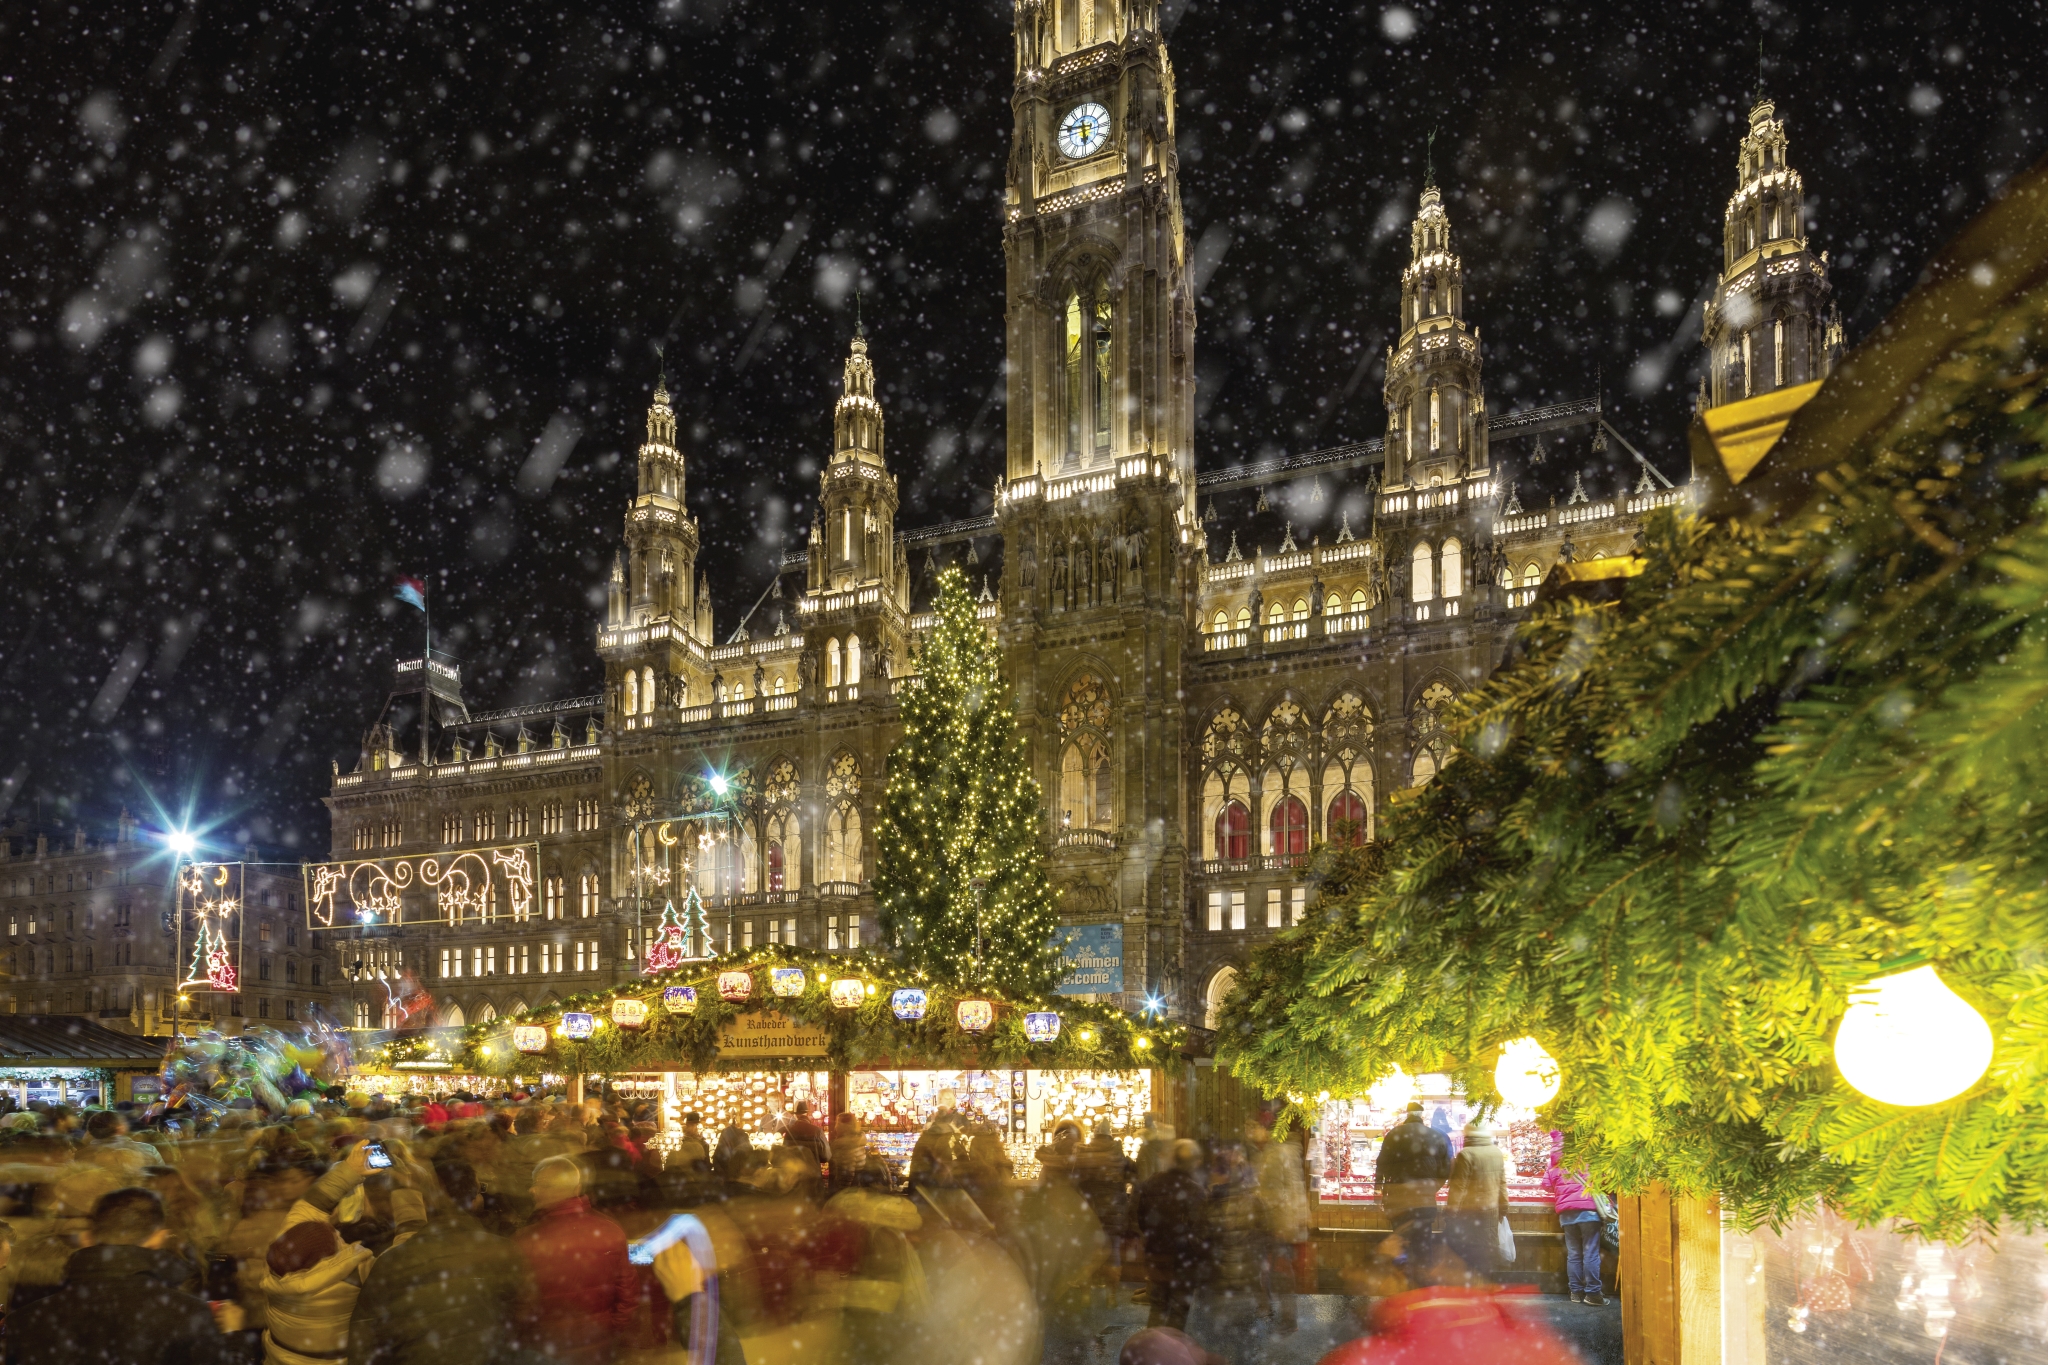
(1201, 705)
(90, 931)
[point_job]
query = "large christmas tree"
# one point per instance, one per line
(961, 808)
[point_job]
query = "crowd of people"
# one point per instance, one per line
(355, 1230)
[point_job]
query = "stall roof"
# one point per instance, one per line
(59, 1040)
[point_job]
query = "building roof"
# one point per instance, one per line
(63, 1040)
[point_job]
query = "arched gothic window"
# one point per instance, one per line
(1221, 623)
(648, 696)
(632, 702)
(1086, 344)
(1453, 564)
(842, 820)
(1422, 562)
(1346, 821)
(1234, 832)
(1220, 987)
(852, 660)
(1289, 827)
(832, 673)
(1531, 575)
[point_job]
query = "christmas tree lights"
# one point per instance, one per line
(960, 879)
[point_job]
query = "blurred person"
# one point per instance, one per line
(108, 1142)
(126, 1299)
(799, 1131)
(587, 1289)
(690, 1146)
(1414, 1162)
(1452, 1325)
(849, 1150)
(1164, 1346)
(311, 1282)
(1578, 1219)
(1155, 1148)
(883, 1281)
(448, 1296)
(1284, 1217)
(1105, 1176)
(933, 1159)
(1173, 1215)
(733, 1147)
(1060, 1159)
(1478, 1201)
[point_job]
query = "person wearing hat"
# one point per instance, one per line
(1413, 1163)
(1478, 1201)
(587, 1288)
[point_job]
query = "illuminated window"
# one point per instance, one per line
(1234, 832)
(1422, 563)
(1346, 823)
(1290, 827)
(1453, 562)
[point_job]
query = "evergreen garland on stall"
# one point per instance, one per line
(961, 805)
(1805, 743)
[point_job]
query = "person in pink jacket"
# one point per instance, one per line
(1578, 1217)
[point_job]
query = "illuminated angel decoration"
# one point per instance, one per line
(518, 879)
(326, 885)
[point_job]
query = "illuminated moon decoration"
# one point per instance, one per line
(974, 1016)
(679, 999)
(474, 884)
(1526, 1075)
(1909, 1040)
(908, 1003)
(578, 1026)
(629, 1013)
(735, 986)
(787, 982)
(848, 992)
(529, 1038)
(666, 834)
(1041, 1026)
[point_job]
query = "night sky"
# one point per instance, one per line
(297, 298)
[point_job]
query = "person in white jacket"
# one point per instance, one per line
(312, 1276)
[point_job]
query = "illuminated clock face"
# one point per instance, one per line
(1084, 131)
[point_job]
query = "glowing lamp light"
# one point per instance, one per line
(719, 784)
(908, 1003)
(848, 992)
(578, 1026)
(1909, 1040)
(1526, 1075)
(735, 986)
(181, 843)
(786, 981)
(1041, 1026)
(629, 1013)
(529, 1038)
(1395, 1090)
(974, 1016)
(679, 999)
(1142, 1044)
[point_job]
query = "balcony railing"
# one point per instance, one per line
(1087, 838)
(1226, 639)
(839, 889)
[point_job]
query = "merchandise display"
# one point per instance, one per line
(1345, 1142)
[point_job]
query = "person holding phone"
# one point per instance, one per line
(312, 1275)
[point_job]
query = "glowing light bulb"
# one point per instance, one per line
(1526, 1075)
(1394, 1090)
(1910, 1040)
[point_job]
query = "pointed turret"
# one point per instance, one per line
(1436, 405)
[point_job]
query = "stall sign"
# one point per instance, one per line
(908, 1003)
(1093, 958)
(974, 1016)
(848, 992)
(629, 1013)
(1041, 1026)
(735, 985)
(679, 999)
(529, 1038)
(769, 1033)
(578, 1026)
(786, 981)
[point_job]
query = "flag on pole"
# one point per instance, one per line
(412, 591)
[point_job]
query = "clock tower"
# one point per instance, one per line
(1102, 551)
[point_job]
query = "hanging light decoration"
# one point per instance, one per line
(529, 1038)
(629, 1013)
(786, 982)
(1394, 1091)
(1042, 1026)
(1526, 1075)
(679, 999)
(908, 1003)
(578, 1026)
(735, 986)
(848, 992)
(974, 1016)
(1909, 1040)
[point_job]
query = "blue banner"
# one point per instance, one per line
(1093, 955)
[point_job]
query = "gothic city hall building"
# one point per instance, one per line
(1202, 701)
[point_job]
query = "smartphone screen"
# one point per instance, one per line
(378, 1159)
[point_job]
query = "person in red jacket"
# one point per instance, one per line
(1445, 1325)
(586, 1288)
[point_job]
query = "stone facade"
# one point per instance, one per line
(1199, 713)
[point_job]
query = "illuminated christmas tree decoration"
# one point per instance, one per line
(578, 1026)
(974, 1016)
(1042, 1026)
(670, 946)
(1526, 1075)
(679, 999)
(908, 1003)
(786, 982)
(848, 992)
(1907, 1039)
(210, 899)
(629, 1013)
(529, 1038)
(735, 986)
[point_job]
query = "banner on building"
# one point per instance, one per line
(1092, 958)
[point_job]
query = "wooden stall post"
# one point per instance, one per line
(1670, 1279)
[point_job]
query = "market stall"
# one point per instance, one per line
(65, 1060)
(1345, 1138)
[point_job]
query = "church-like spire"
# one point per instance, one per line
(1435, 406)
(857, 417)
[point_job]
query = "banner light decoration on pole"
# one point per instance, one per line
(210, 895)
(671, 945)
(474, 885)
